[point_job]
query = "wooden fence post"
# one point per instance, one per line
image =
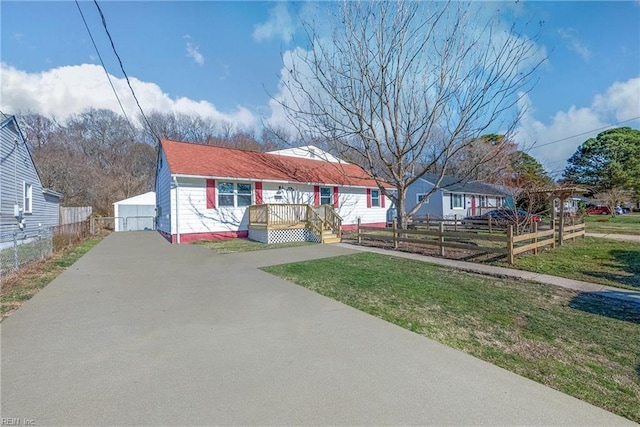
(428, 225)
(395, 234)
(359, 232)
(455, 222)
(553, 227)
(535, 238)
(573, 231)
(489, 220)
(441, 239)
(510, 243)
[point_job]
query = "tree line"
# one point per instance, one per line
(97, 157)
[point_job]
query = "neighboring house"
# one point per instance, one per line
(24, 203)
(136, 213)
(204, 192)
(455, 198)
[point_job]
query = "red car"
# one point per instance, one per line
(600, 210)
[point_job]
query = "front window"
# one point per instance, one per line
(27, 203)
(325, 196)
(483, 201)
(375, 198)
(234, 195)
(244, 194)
(457, 201)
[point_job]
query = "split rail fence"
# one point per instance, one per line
(478, 236)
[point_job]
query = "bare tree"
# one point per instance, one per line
(400, 88)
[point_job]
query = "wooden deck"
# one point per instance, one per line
(321, 220)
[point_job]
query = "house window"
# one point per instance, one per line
(421, 197)
(483, 201)
(375, 198)
(27, 201)
(225, 194)
(234, 194)
(457, 201)
(244, 195)
(325, 196)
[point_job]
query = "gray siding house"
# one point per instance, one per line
(454, 197)
(21, 192)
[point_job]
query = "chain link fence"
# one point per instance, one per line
(20, 248)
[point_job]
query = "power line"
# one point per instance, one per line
(104, 24)
(104, 67)
(583, 133)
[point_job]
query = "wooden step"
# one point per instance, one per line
(334, 239)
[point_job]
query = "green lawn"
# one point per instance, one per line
(584, 345)
(620, 224)
(245, 245)
(25, 284)
(596, 260)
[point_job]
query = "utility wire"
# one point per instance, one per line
(104, 24)
(583, 133)
(104, 67)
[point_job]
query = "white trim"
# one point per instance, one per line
(27, 194)
(423, 194)
(274, 181)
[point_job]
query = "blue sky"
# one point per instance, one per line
(223, 59)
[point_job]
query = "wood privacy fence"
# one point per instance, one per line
(74, 215)
(507, 244)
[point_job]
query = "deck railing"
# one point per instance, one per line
(279, 216)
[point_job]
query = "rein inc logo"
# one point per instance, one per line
(17, 422)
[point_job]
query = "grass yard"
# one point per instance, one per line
(229, 246)
(596, 260)
(620, 224)
(584, 345)
(22, 286)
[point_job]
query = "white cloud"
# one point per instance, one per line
(279, 25)
(63, 91)
(570, 37)
(193, 51)
(621, 101)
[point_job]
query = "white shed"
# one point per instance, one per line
(136, 213)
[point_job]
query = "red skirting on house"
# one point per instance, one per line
(220, 235)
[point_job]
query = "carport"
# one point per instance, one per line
(135, 213)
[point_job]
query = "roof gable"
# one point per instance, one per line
(186, 158)
(453, 184)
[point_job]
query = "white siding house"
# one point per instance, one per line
(24, 203)
(203, 192)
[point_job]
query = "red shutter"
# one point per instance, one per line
(368, 197)
(336, 203)
(211, 194)
(382, 197)
(316, 195)
(259, 193)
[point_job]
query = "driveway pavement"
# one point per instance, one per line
(140, 332)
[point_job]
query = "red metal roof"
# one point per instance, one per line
(186, 158)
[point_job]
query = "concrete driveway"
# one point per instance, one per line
(140, 332)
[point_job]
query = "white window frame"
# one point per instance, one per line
(27, 197)
(453, 201)
(375, 200)
(330, 199)
(420, 196)
(234, 193)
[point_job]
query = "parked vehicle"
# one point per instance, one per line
(506, 216)
(598, 210)
(619, 210)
